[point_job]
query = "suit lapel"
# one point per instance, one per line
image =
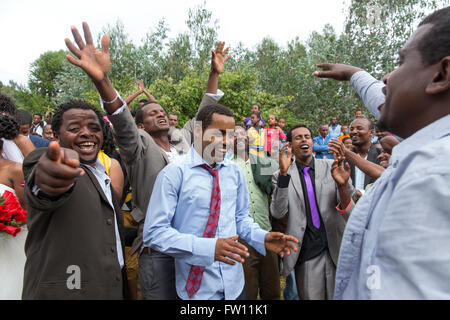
(96, 184)
(295, 177)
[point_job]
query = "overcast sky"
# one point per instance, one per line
(29, 28)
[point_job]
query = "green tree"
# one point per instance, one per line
(43, 72)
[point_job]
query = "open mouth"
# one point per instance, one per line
(87, 147)
(162, 121)
(304, 147)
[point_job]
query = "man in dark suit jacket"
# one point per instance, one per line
(74, 246)
(361, 131)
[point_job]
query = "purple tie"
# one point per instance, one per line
(312, 199)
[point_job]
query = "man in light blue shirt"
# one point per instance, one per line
(179, 209)
(395, 242)
(334, 129)
(320, 145)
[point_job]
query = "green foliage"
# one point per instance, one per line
(277, 77)
(240, 88)
(43, 72)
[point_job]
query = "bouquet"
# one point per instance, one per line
(12, 215)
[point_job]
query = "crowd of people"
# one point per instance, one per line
(125, 204)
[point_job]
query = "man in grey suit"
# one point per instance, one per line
(145, 152)
(316, 196)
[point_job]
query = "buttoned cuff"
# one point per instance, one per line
(118, 111)
(216, 96)
(283, 181)
(203, 251)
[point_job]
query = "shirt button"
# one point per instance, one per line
(112, 250)
(109, 222)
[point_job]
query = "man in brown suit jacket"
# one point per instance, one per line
(74, 244)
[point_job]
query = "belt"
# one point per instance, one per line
(148, 250)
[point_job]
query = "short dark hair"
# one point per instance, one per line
(7, 105)
(367, 119)
(205, 115)
(138, 116)
(23, 117)
(256, 114)
(73, 104)
(289, 134)
(9, 128)
(143, 101)
(37, 114)
(435, 45)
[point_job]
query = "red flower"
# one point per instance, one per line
(12, 215)
(10, 229)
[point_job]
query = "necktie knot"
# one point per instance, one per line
(306, 170)
(211, 171)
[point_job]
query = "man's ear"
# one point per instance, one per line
(441, 78)
(140, 126)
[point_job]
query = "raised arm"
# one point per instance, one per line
(218, 59)
(130, 98)
(96, 64)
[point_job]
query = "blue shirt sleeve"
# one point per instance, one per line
(158, 231)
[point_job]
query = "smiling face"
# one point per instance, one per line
(217, 138)
(360, 132)
(302, 145)
(154, 118)
(81, 131)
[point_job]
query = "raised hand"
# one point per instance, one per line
(228, 249)
(285, 161)
(96, 63)
(57, 170)
(340, 169)
(219, 58)
(280, 243)
(340, 72)
(140, 85)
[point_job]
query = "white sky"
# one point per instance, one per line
(29, 28)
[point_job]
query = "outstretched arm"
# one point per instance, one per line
(371, 169)
(367, 87)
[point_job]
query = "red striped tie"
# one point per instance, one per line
(195, 276)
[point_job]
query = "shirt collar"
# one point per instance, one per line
(196, 160)
(424, 136)
(301, 166)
